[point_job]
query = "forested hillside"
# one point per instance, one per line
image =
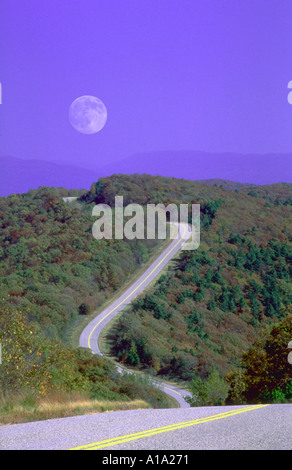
(199, 319)
(212, 303)
(50, 264)
(52, 272)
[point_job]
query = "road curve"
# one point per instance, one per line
(90, 335)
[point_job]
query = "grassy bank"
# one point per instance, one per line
(23, 409)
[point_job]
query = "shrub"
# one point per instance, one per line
(212, 391)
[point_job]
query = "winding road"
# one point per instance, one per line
(246, 427)
(91, 334)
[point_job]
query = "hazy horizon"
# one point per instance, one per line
(21, 175)
(174, 76)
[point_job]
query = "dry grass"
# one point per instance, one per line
(23, 409)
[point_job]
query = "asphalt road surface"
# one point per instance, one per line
(90, 335)
(260, 427)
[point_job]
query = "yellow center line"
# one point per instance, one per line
(172, 427)
(134, 290)
(171, 389)
(174, 391)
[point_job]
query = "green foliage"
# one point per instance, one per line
(199, 317)
(212, 304)
(212, 391)
(217, 299)
(50, 262)
(208, 210)
(34, 366)
(157, 307)
(95, 194)
(31, 362)
(195, 324)
(133, 356)
(265, 374)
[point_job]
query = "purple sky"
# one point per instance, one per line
(206, 75)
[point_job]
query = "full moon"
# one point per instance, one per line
(87, 114)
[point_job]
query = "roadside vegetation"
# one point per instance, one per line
(24, 408)
(205, 322)
(42, 378)
(54, 274)
(50, 264)
(205, 313)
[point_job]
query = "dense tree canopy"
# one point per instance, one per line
(212, 303)
(265, 374)
(50, 264)
(195, 323)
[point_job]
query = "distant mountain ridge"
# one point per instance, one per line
(19, 175)
(196, 165)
